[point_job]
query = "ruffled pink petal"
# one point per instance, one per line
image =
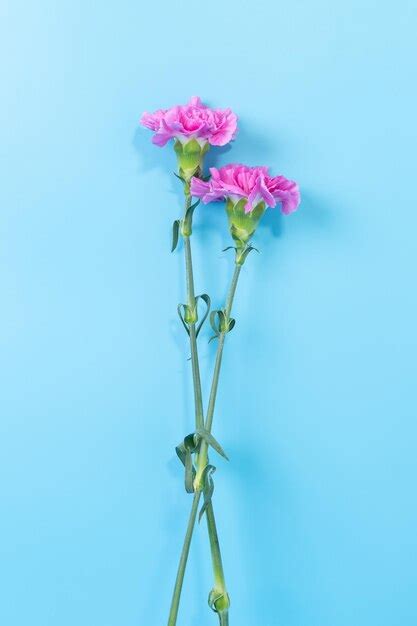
(290, 201)
(152, 120)
(286, 192)
(254, 196)
(161, 139)
(198, 187)
(192, 120)
(227, 131)
(163, 135)
(240, 181)
(195, 101)
(204, 190)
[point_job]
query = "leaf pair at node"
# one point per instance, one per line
(189, 315)
(219, 602)
(241, 252)
(191, 445)
(183, 226)
(184, 451)
(221, 323)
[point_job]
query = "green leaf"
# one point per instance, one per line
(208, 488)
(175, 234)
(184, 452)
(185, 457)
(219, 602)
(211, 441)
(191, 442)
(180, 177)
(189, 472)
(181, 312)
(189, 212)
(216, 318)
(223, 323)
(243, 255)
(206, 298)
(232, 323)
(180, 450)
(213, 316)
(212, 599)
(187, 222)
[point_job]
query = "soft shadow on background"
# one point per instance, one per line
(316, 404)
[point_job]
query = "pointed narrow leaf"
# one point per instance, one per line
(217, 320)
(175, 234)
(222, 320)
(180, 309)
(184, 452)
(180, 177)
(189, 474)
(206, 298)
(208, 488)
(211, 441)
(247, 251)
(180, 450)
(187, 222)
(190, 210)
(191, 442)
(213, 316)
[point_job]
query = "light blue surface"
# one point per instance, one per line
(317, 509)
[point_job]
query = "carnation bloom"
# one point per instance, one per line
(247, 191)
(189, 121)
(234, 182)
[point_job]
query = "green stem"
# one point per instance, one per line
(232, 289)
(203, 455)
(199, 421)
(198, 400)
(202, 458)
(215, 550)
(222, 604)
(219, 594)
(175, 602)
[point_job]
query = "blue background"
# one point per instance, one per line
(317, 509)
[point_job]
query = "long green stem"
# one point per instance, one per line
(175, 602)
(198, 400)
(219, 598)
(219, 595)
(199, 422)
(220, 346)
(203, 455)
(220, 586)
(215, 548)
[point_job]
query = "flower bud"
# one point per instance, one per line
(190, 158)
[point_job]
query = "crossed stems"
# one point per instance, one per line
(218, 599)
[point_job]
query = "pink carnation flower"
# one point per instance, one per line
(189, 121)
(237, 181)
